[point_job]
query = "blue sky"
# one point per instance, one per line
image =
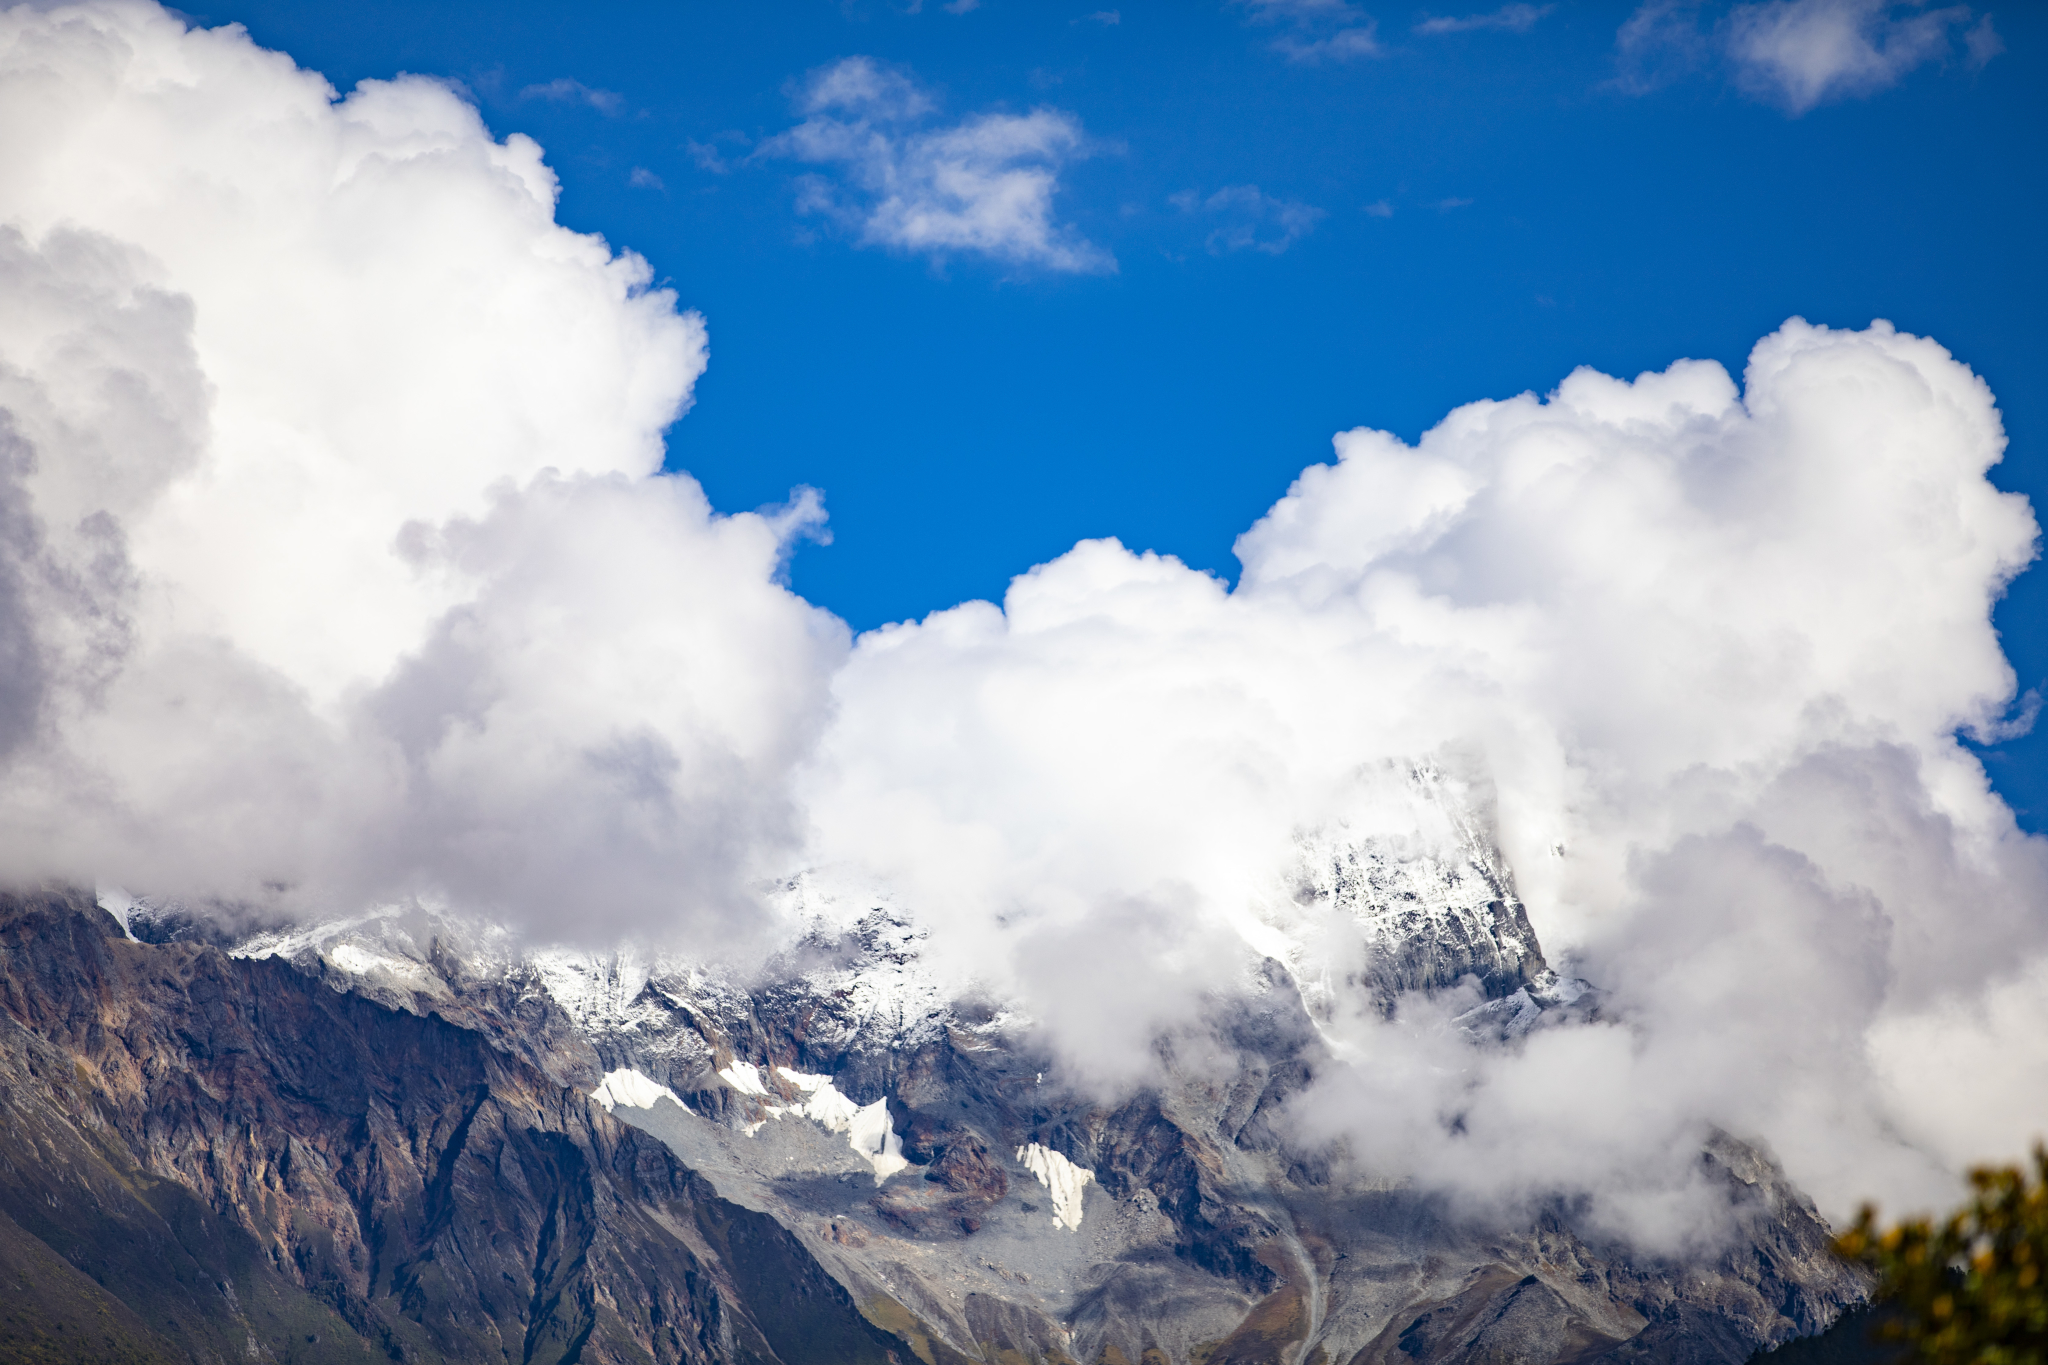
(1269, 222)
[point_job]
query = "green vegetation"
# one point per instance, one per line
(1972, 1290)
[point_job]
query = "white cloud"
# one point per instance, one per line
(644, 179)
(338, 567)
(1798, 54)
(1801, 53)
(1517, 18)
(1248, 218)
(1321, 30)
(707, 154)
(1346, 44)
(983, 186)
(562, 90)
(1107, 16)
(1299, 11)
(863, 88)
(1982, 43)
(345, 566)
(1713, 643)
(1658, 43)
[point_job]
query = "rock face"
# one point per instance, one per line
(210, 1159)
(377, 1133)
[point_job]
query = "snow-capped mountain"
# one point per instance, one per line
(913, 1140)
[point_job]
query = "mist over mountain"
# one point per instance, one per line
(1553, 864)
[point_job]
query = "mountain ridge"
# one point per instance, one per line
(335, 1174)
(647, 1148)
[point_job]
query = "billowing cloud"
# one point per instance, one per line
(319, 431)
(1247, 218)
(337, 566)
(1709, 648)
(983, 186)
(1799, 54)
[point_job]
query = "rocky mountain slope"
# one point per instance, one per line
(402, 1135)
(214, 1159)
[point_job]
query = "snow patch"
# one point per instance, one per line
(1063, 1178)
(632, 1089)
(744, 1077)
(867, 1127)
(822, 1100)
(117, 903)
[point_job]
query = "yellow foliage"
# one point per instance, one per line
(1967, 1291)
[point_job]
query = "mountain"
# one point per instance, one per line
(209, 1159)
(402, 1136)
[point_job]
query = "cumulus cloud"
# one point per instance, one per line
(1248, 218)
(337, 566)
(983, 186)
(1708, 646)
(1799, 54)
(319, 433)
(1518, 18)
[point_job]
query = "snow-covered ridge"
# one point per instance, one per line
(1407, 890)
(1435, 866)
(867, 1127)
(390, 940)
(1066, 1181)
(857, 954)
(873, 963)
(637, 1003)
